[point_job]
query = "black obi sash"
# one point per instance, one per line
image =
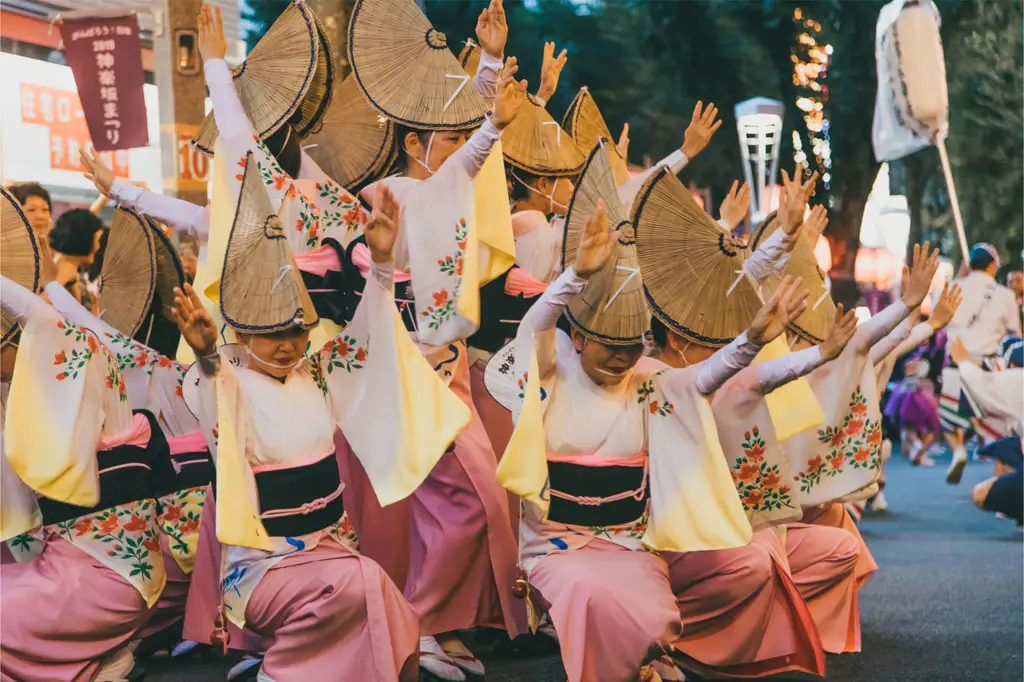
(331, 294)
(500, 315)
(591, 486)
(128, 473)
(300, 500)
(404, 299)
(193, 470)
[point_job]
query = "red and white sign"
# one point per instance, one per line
(60, 111)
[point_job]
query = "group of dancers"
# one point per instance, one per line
(445, 365)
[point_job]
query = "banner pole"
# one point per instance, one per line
(940, 142)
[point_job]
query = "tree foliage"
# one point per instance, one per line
(648, 63)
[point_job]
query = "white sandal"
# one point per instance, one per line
(462, 656)
(436, 661)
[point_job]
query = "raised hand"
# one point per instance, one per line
(196, 325)
(843, 329)
(622, 147)
(815, 224)
(923, 267)
(212, 43)
(96, 172)
(381, 229)
(597, 244)
(787, 304)
(736, 204)
(944, 310)
(702, 126)
(492, 30)
(551, 71)
(511, 95)
(793, 199)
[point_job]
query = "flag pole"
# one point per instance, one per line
(940, 142)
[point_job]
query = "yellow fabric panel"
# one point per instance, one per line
(793, 407)
(493, 218)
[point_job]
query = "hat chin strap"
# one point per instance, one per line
(550, 197)
(430, 143)
(265, 363)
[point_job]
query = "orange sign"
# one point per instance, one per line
(61, 112)
(193, 165)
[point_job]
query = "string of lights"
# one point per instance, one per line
(810, 76)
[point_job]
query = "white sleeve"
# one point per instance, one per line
(476, 150)
(18, 301)
(1000, 394)
(721, 366)
(486, 79)
(676, 161)
(780, 371)
(179, 215)
(539, 321)
(876, 329)
(770, 256)
(232, 121)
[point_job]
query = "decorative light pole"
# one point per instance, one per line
(759, 124)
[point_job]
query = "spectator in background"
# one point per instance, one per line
(35, 201)
(989, 310)
(75, 239)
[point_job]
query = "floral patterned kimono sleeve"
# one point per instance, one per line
(65, 393)
(396, 413)
(441, 243)
(694, 505)
(153, 381)
(314, 204)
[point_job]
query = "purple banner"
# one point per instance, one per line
(106, 58)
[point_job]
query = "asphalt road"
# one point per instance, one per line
(945, 606)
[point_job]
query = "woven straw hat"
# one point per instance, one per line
(407, 70)
(611, 307)
(261, 290)
(815, 323)
(585, 123)
(128, 278)
(535, 142)
(690, 265)
(355, 142)
(19, 261)
(470, 57)
(169, 271)
(282, 72)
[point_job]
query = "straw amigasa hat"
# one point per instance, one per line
(355, 142)
(691, 267)
(286, 71)
(128, 278)
(19, 255)
(407, 71)
(535, 143)
(585, 123)
(470, 57)
(169, 271)
(815, 323)
(261, 289)
(611, 308)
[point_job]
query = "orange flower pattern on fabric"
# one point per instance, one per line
(655, 407)
(450, 266)
(343, 212)
(128, 533)
(344, 352)
(178, 516)
(758, 483)
(856, 443)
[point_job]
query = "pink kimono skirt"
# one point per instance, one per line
(823, 564)
(171, 607)
(612, 607)
(498, 425)
(63, 612)
(461, 553)
(742, 614)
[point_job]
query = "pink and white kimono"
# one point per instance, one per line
(154, 383)
(458, 558)
(611, 601)
(325, 606)
(79, 474)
